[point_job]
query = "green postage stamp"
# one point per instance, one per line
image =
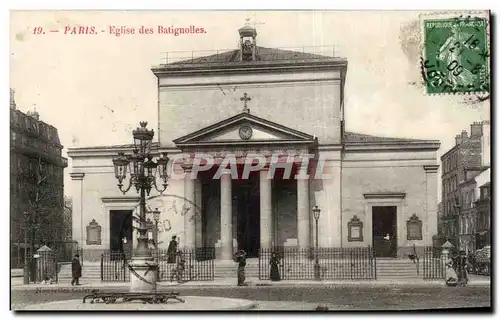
(456, 54)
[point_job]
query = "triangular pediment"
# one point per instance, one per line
(244, 128)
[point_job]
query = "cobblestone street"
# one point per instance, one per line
(307, 298)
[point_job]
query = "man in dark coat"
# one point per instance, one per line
(462, 268)
(240, 258)
(76, 270)
(172, 250)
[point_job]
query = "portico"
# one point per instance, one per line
(255, 193)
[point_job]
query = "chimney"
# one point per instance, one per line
(465, 136)
(458, 139)
(486, 144)
(476, 129)
(12, 100)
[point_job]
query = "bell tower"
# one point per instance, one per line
(248, 44)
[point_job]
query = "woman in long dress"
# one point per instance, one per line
(451, 277)
(275, 272)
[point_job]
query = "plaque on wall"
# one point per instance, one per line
(93, 233)
(414, 228)
(355, 229)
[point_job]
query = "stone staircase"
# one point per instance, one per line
(391, 268)
(228, 269)
(386, 269)
(91, 272)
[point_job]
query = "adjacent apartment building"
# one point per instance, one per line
(36, 183)
(464, 169)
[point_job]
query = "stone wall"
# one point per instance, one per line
(388, 179)
(189, 104)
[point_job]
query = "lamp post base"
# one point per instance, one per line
(143, 273)
(317, 274)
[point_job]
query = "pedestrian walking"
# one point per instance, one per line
(172, 250)
(178, 271)
(240, 258)
(451, 278)
(462, 268)
(275, 272)
(76, 270)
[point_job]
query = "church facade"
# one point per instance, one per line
(268, 104)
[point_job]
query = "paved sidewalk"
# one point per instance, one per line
(475, 280)
(190, 303)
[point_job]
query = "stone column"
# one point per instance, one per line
(77, 223)
(303, 213)
(189, 208)
(430, 224)
(266, 219)
(198, 219)
(226, 223)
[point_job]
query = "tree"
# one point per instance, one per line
(44, 218)
(67, 233)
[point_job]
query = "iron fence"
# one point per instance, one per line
(227, 55)
(433, 267)
(42, 266)
(114, 267)
(334, 263)
(198, 265)
(65, 250)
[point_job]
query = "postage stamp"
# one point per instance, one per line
(456, 54)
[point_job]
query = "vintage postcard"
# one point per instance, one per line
(250, 160)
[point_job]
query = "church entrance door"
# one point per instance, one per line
(384, 228)
(120, 231)
(248, 215)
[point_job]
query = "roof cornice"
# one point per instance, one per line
(248, 67)
(430, 145)
(106, 151)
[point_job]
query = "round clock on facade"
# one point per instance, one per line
(245, 132)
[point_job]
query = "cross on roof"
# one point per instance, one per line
(245, 100)
(255, 22)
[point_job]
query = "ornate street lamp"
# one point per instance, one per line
(143, 172)
(317, 276)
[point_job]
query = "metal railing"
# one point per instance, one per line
(42, 267)
(433, 267)
(335, 263)
(114, 267)
(198, 265)
(225, 55)
(64, 250)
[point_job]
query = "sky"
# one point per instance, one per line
(96, 88)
